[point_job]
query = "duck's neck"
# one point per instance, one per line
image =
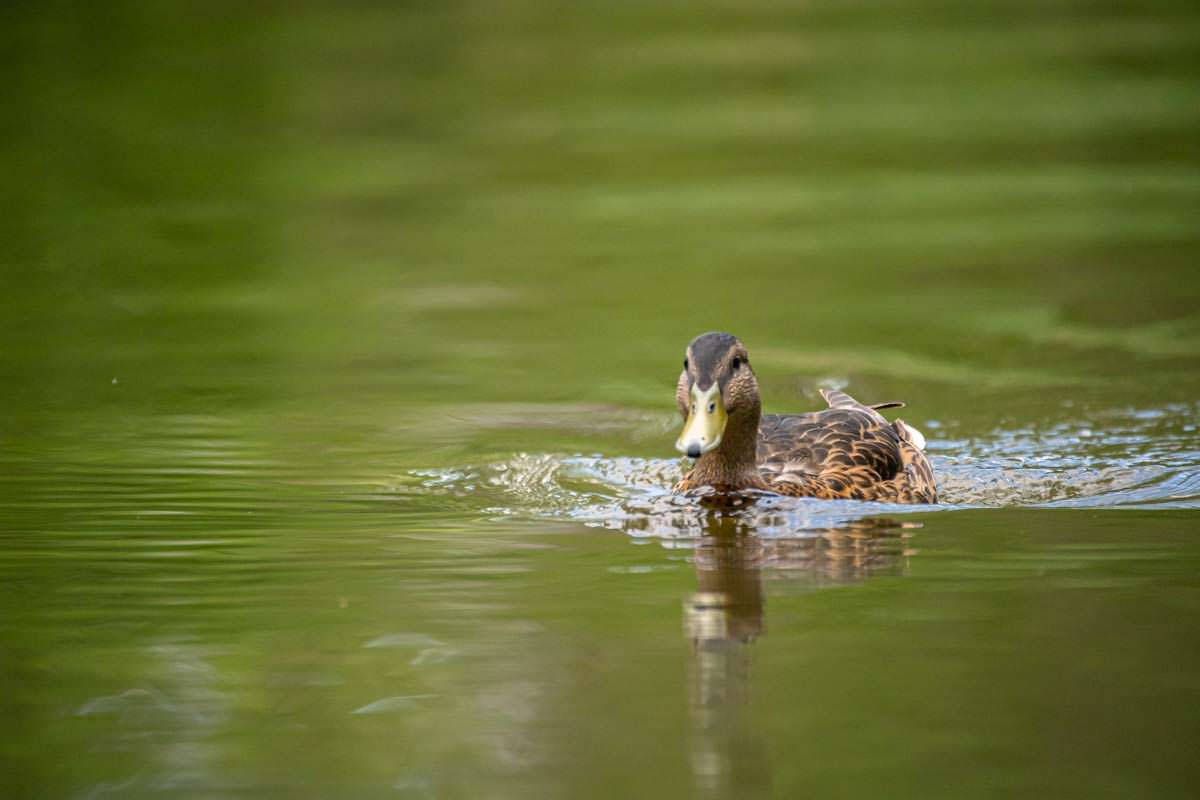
(734, 464)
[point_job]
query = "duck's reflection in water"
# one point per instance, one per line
(724, 617)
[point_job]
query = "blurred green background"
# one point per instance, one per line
(984, 194)
(286, 290)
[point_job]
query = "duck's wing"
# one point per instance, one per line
(848, 450)
(843, 440)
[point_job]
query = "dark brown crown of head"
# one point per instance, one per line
(707, 353)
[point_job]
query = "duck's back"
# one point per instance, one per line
(846, 451)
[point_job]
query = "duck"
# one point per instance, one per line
(846, 451)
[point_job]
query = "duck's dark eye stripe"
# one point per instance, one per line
(737, 362)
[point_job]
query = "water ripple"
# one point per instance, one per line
(1147, 458)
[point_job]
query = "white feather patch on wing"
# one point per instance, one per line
(914, 436)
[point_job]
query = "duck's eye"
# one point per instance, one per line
(685, 364)
(737, 362)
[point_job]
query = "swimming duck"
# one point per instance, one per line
(845, 451)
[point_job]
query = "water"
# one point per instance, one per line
(338, 351)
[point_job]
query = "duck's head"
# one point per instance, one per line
(716, 390)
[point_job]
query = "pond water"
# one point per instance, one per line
(338, 353)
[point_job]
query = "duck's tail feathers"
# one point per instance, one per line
(837, 399)
(909, 434)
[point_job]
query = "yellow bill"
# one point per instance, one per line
(705, 422)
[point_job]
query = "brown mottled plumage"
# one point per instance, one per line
(845, 451)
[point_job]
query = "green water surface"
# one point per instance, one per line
(337, 355)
